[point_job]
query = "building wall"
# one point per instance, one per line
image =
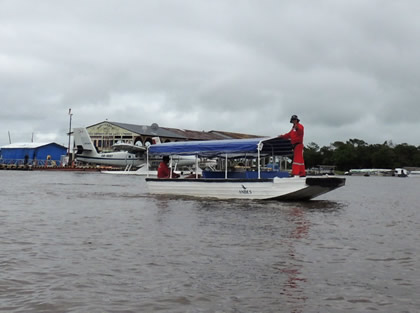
(17, 155)
(52, 150)
(104, 135)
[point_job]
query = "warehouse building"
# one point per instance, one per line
(32, 153)
(105, 134)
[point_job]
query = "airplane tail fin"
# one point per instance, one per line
(156, 140)
(83, 142)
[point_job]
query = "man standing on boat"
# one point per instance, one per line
(296, 138)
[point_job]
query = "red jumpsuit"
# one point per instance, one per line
(296, 138)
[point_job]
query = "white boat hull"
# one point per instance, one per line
(263, 189)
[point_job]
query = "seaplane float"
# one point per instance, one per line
(255, 179)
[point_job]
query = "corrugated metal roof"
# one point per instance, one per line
(152, 130)
(231, 135)
(196, 135)
(28, 145)
(155, 130)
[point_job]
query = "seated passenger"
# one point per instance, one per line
(163, 169)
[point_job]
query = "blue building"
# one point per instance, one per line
(32, 153)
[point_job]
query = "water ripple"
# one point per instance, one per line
(97, 243)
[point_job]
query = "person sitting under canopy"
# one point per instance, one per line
(163, 169)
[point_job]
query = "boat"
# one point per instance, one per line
(253, 182)
(371, 171)
(398, 172)
(401, 172)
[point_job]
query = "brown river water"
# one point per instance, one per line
(91, 242)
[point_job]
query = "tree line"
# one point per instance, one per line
(356, 154)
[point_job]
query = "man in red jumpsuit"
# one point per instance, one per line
(296, 138)
(163, 169)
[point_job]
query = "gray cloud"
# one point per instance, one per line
(348, 69)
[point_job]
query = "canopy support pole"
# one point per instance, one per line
(196, 166)
(226, 167)
(147, 162)
(259, 169)
(170, 167)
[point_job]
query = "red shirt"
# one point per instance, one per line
(163, 170)
(296, 134)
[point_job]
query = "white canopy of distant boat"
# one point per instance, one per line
(255, 182)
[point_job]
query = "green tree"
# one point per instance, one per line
(356, 153)
(383, 156)
(345, 155)
(405, 155)
(312, 156)
(327, 155)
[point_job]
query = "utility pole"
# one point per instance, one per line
(69, 153)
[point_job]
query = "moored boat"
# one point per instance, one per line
(255, 183)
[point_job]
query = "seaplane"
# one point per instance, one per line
(125, 155)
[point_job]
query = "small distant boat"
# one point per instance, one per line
(255, 183)
(399, 172)
(371, 171)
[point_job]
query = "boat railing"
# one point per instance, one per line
(252, 174)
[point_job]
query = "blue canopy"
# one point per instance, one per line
(212, 148)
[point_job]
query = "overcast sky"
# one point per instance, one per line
(348, 69)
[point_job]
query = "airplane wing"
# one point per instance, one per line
(129, 148)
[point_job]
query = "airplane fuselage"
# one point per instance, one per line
(112, 158)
